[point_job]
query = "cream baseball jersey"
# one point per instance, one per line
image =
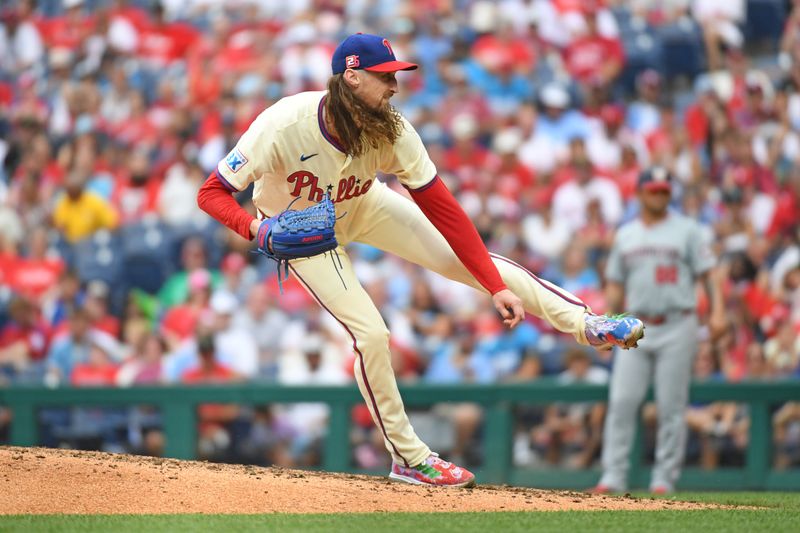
(288, 153)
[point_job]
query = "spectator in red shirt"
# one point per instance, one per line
(180, 321)
(461, 99)
(757, 184)
(96, 304)
(25, 338)
(34, 273)
(703, 114)
(205, 85)
(136, 193)
(466, 158)
(69, 30)
(138, 128)
(162, 42)
(510, 176)
(594, 58)
(99, 370)
(502, 45)
(786, 219)
(214, 437)
(628, 173)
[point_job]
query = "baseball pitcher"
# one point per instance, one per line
(322, 150)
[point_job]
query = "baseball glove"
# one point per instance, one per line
(298, 233)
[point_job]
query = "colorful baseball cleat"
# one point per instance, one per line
(604, 331)
(433, 471)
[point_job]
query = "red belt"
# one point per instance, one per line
(656, 320)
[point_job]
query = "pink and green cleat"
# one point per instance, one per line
(604, 331)
(433, 471)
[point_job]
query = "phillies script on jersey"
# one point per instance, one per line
(347, 188)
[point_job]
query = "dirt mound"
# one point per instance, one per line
(46, 481)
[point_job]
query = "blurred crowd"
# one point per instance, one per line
(538, 114)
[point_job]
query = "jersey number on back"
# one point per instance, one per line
(666, 274)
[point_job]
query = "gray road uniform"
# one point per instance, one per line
(657, 265)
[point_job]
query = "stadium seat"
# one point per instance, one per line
(4, 318)
(765, 20)
(62, 248)
(144, 271)
(149, 236)
(624, 18)
(642, 52)
(682, 50)
(146, 250)
(98, 257)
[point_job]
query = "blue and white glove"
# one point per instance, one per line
(293, 234)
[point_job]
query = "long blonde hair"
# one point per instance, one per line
(371, 128)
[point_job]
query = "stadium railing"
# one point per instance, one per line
(178, 407)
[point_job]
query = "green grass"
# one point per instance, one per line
(786, 501)
(781, 512)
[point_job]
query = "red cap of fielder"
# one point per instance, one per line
(367, 52)
(655, 179)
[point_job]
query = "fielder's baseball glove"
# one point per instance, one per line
(298, 233)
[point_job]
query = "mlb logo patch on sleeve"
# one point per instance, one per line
(235, 160)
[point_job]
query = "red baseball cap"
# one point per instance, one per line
(655, 179)
(612, 114)
(367, 52)
(233, 262)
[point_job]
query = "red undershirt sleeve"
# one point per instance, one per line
(215, 197)
(442, 209)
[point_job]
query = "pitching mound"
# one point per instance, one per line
(46, 481)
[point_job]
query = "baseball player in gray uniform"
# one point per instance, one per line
(652, 270)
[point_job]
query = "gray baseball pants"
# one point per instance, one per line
(665, 356)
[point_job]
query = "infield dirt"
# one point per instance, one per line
(47, 481)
